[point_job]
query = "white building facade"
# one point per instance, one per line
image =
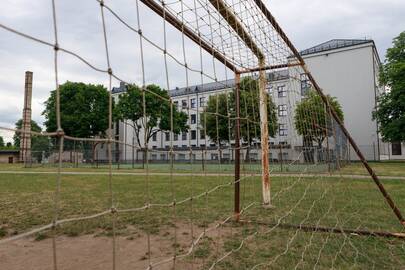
(192, 101)
(349, 70)
(345, 69)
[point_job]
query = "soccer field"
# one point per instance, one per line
(27, 202)
(394, 169)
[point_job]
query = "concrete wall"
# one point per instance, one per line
(349, 75)
(4, 158)
(387, 153)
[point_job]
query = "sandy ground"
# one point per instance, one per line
(95, 252)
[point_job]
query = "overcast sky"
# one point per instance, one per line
(307, 23)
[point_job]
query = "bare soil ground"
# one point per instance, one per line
(93, 252)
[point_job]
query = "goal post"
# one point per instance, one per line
(318, 89)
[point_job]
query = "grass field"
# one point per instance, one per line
(26, 202)
(381, 168)
(355, 168)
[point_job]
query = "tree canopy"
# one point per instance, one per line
(249, 109)
(215, 118)
(312, 120)
(158, 113)
(390, 113)
(83, 107)
(1, 141)
(17, 137)
(38, 143)
(220, 105)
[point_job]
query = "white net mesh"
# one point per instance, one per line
(182, 168)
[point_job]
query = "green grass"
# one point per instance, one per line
(355, 168)
(27, 201)
(381, 168)
(165, 168)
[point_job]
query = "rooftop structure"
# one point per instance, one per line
(335, 44)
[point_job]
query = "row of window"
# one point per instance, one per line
(282, 91)
(282, 131)
(214, 156)
(184, 137)
(193, 103)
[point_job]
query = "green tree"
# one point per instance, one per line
(390, 112)
(249, 109)
(83, 108)
(218, 107)
(1, 141)
(215, 121)
(313, 121)
(158, 112)
(39, 144)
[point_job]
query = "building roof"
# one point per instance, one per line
(213, 86)
(208, 87)
(9, 151)
(335, 44)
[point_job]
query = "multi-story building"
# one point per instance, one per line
(193, 100)
(345, 69)
(349, 69)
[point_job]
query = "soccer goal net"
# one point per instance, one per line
(189, 134)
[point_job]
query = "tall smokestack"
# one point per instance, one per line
(25, 144)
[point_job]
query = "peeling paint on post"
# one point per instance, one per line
(264, 134)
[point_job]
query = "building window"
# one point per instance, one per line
(193, 103)
(193, 134)
(184, 104)
(305, 84)
(282, 130)
(167, 136)
(181, 156)
(202, 101)
(176, 104)
(269, 88)
(396, 149)
(214, 156)
(154, 137)
(175, 137)
(282, 110)
(202, 134)
(193, 119)
(184, 135)
(281, 90)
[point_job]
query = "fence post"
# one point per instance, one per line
(264, 133)
(237, 148)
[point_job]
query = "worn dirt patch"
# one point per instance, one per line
(96, 252)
